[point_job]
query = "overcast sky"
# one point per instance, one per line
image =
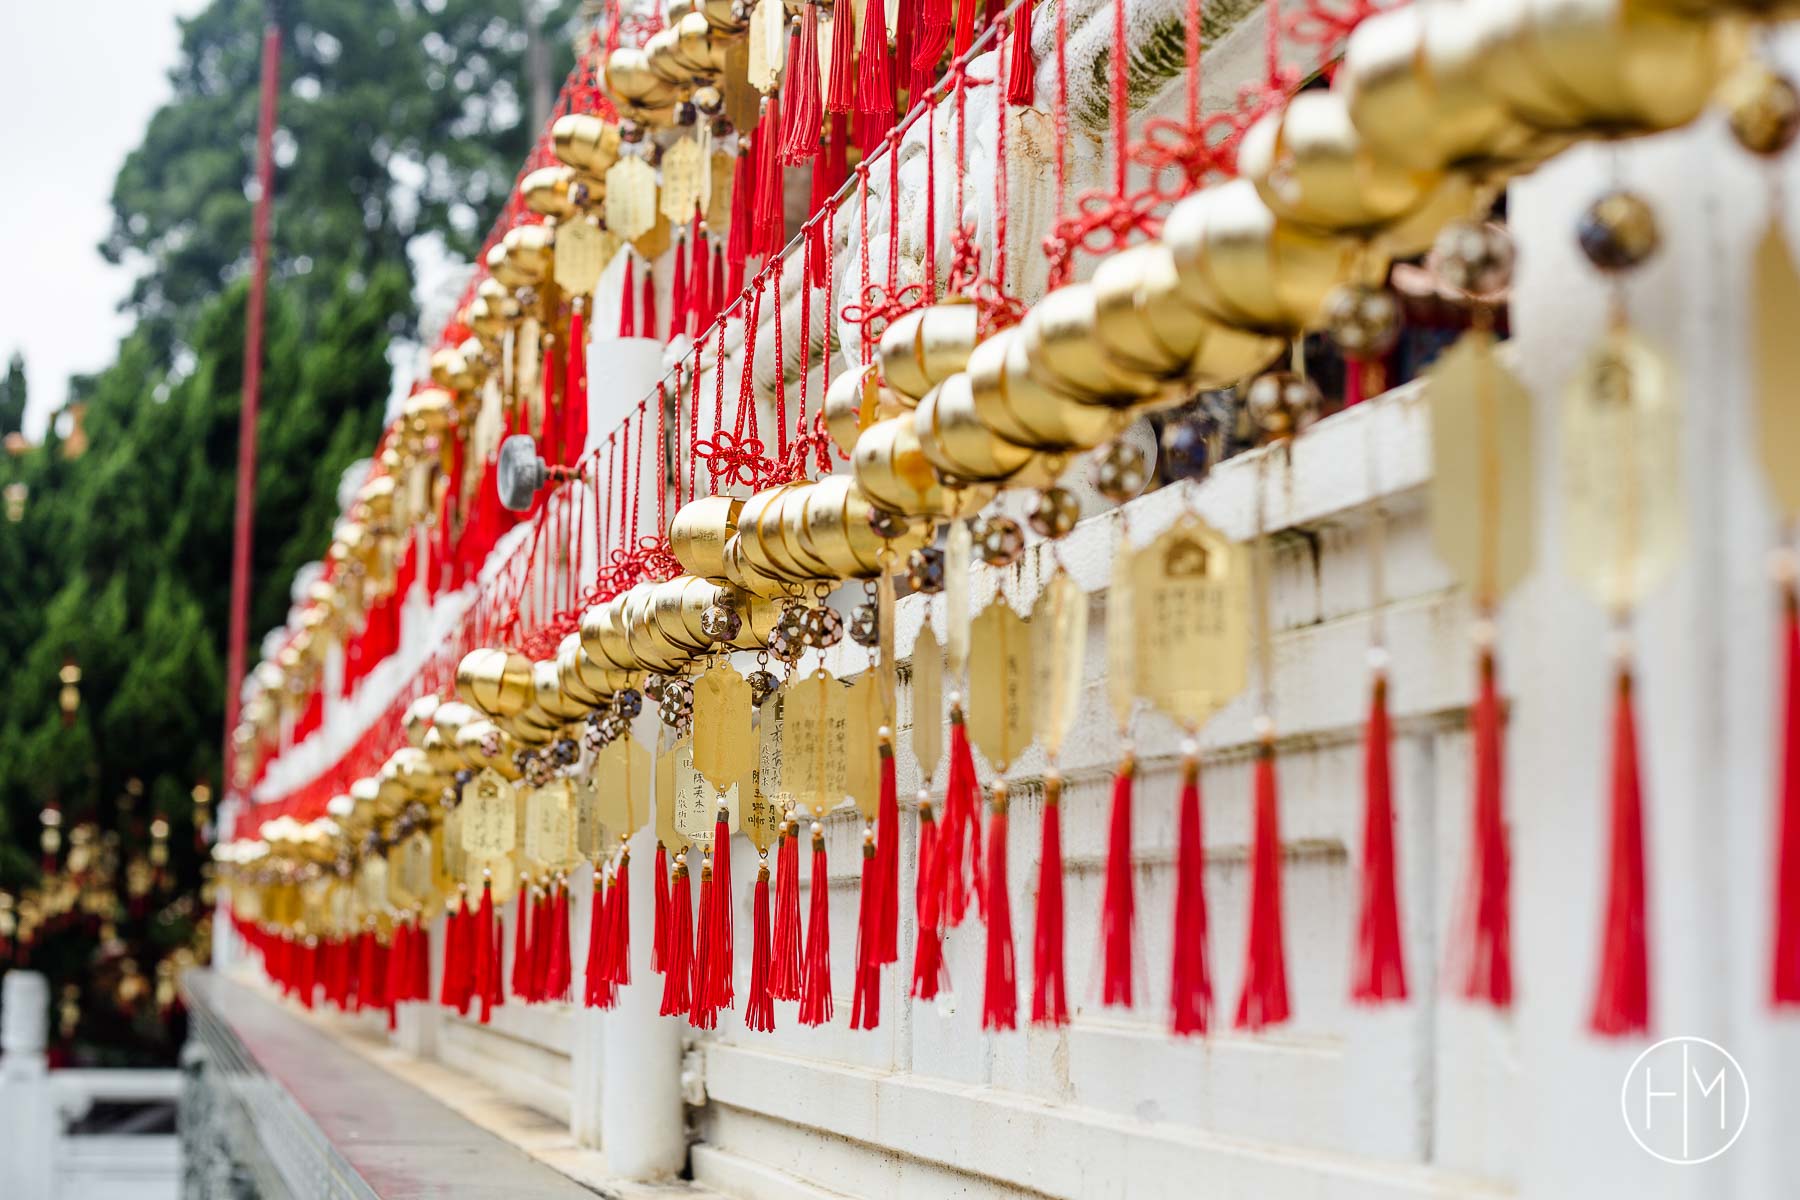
(78, 82)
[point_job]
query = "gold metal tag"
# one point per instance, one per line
(958, 546)
(580, 255)
(666, 831)
(769, 778)
(549, 831)
(1621, 443)
(766, 47)
(697, 801)
(622, 781)
(814, 752)
(1059, 624)
(1192, 620)
(372, 883)
(681, 181)
(743, 99)
(630, 197)
(862, 750)
(1000, 676)
(715, 205)
(1481, 478)
(415, 867)
(724, 745)
(1775, 307)
(505, 875)
(761, 817)
(590, 831)
(528, 370)
(1121, 637)
(398, 895)
(489, 827)
(927, 702)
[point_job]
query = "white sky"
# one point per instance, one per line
(78, 83)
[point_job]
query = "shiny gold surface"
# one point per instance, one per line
(1062, 352)
(497, 682)
(1311, 166)
(955, 441)
(698, 534)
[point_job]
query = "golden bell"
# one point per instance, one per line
(1142, 320)
(632, 83)
(1603, 66)
(497, 682)
(955, 441)
(377, 495)
(854, 401)
(418, 718)
(546, 191)
(695, 47)
(892, 472)
(1062, 352)
(364, 796)
(603, 638)
(675, 608)
(530, 254)
(549, 698)
(793, 538)
(646, 642)
(722, 15)
(586, 142)
(698, 534)
(428, 412)
(836, 531)
(472, 742)
(1236, 262)
(760, 537)
(1020, 409)
(450, 369)
(922, 348)
(664, 58)
(582, 679)
(1412, 84)
(1310, 166)
(533, 727)
(742, 575)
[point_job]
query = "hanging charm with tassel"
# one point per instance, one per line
(999, 725)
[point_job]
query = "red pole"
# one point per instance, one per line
(253, 339)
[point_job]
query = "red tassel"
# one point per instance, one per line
(887, 854)
(543, 943)
(562, 967)
(759, 1006)
(309, 972)
(659, 938)
(1264, 1000)
(599, 990)
(1378, 969)
(702, 1012)
(1049, 998)
(840, 95)
(575, 391)
(959, 841)
(368, 983)
(934, 34)
(815, 980)
(522, 965)
(627, 301)
(865, 1003)
(965, 28)
(717, 304)
(458, 968)
(681, 308)
(1021, 76)
(723, 964)
(1622, 999)
(421, 963)
(1482, 969)
(618, 910)
(678, 961)
(739, 244)
(498, 998)
(1000, 1001)
(874, 77)
(768, 224)
(801, 109)
(784, 970)
(1190, 977)
(1786, 973)
(487, 957)
(399, 966)
(928, 891)
(1117, 910)
(649, 310)
(700, 291)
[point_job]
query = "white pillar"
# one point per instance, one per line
(28, 1117)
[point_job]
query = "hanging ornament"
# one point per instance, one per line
(1120, 471)
(1762, 108)
(630, 197)
(999, 725)
(998, 540)
(1059, 628)
(925, 570)
(1054, 513)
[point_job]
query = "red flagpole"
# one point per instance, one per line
(253, 339)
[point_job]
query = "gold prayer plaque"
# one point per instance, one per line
(549, 827)
(697, 801)
(1481, 498)
(1059, 625)
(1000, 706)
(489, 822)
(814, 751)
(622, 781)
(1621, 443)
(580, 255)
(1121, 637)
(682, 185)
(927, 702)
(1191, 606)
(1775, 308)
(766, 47)
(958, 546)
(590, 831)
(862, 761)
(724, 743)
(666, 831)
(630, 198)
(769, 778)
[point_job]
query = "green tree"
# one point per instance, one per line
(401, 128)
(12, 396)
